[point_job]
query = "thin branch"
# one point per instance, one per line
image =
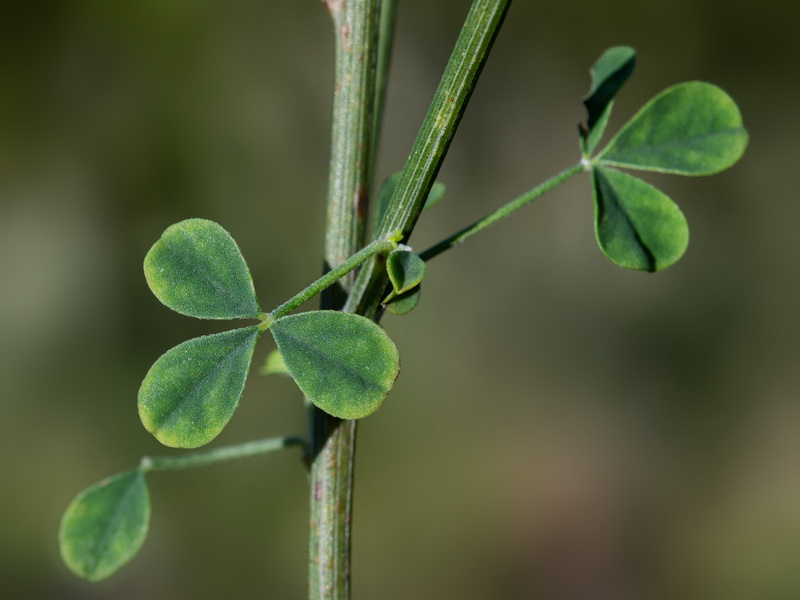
(438, 129)
(331, 440)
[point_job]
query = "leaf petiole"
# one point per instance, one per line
(379, 246)
(502, 212)
(208, 457)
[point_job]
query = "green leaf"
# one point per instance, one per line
(196, 269)
(609, 73)
(404, 303)
(637, 226)
(387, 191)
(385, 195)
(105, 525)
(691, 128)
(345, 364)
(435, 195)
(274, 365)
(405, 270)
(192, 390)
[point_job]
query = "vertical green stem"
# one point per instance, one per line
(355, 24)
(355, 116)
(331, 506)
(331, 440)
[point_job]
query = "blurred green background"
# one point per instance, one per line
(562, 429)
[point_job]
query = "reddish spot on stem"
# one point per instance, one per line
(334, 6)
(361, 205)
(318, 491)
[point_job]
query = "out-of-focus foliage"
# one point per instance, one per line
(633, 455)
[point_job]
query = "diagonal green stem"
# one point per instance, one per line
(502, 212)
(438, 129)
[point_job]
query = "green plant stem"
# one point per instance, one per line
(356, 26)
(333, 441)
(502, 212)
(381, 246)
(332, 474)
(449, 103)
(444, 114)
(210, 457)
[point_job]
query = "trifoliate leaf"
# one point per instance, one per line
(691, 128)
(345, 364)
(105, 525)
(196, 269)
(192, 390)
(637, 226)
